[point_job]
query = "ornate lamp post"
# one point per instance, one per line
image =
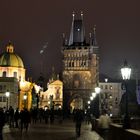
(126, 73)
(25, 98)
(7, 93)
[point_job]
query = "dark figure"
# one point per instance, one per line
(60, 115)
(2, 122)
(11, 116)
(16, 117)
(51, 116)
(46, 115)
(78, 118)
(40, 114)
(24, 119)
(34, 114)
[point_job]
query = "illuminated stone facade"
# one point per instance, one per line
(53, 97)
(80, 66)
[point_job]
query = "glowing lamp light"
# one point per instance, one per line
(97, 90)
(91, 98)
(25, 97)
(88, 102)
(126, 71)
(93, 94)
(7, 94)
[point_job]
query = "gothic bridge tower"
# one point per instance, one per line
(80, 65)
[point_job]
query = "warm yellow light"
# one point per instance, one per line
(25, 97)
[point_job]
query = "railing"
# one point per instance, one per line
(117, 132)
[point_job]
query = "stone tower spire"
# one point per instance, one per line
(77, 34)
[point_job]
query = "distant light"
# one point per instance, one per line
(110, 115)
(88, 102)
(126, 71)
(93, 94)
(97, 90)
(106, 80)
(24, 96)
(91, 98)
(7, 93)
(78, 29)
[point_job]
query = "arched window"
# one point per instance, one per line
(4, 74)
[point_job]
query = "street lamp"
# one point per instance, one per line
(126, 73)
(7, 93)
(97, 91)
(25, 98)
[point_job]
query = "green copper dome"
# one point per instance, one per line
(10, 59)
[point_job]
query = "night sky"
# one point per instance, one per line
(30, 24)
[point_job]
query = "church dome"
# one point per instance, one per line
(10, 59)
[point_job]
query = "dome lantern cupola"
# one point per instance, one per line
(10, 48)
(9, 58)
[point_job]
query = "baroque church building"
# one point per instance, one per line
(12, 81)
(80, 65)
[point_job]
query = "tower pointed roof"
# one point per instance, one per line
(77, 34)
(94, 36)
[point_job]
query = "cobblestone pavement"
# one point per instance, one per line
(56, 131)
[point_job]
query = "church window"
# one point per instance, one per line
(101, 86)
(4, 74)
(15, 74)
(106, 87)
(72, 64)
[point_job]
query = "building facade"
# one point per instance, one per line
(110, 97)
(52, 98)
(12, 80)
(80, 65)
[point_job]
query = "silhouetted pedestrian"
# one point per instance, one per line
(24, 119)
(11, 116)
(2, 122)
(16, 117)
(78, 118)
(46, 115)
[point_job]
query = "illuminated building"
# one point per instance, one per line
(13, 72)
(111, 94)
(80, 65)
(53, 96)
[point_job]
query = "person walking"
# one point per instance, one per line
(16, 117)
(24, 119)
(78, 118)
(103, 125)
(2, 122)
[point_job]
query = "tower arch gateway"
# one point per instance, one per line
(80, 65)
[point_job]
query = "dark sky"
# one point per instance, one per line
(29, 24)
